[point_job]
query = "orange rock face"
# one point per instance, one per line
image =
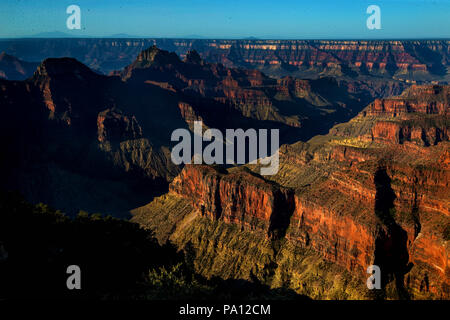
(337, 238)
(239, 197)
(397, 133)
(188, 113)
(413, 100)
(375, 192)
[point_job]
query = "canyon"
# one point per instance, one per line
(70, 128)
(339, 203)
(405, 60)
(364, 166)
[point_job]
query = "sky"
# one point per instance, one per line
(233, 19)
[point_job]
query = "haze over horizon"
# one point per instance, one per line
(287, 19)
(61, 35)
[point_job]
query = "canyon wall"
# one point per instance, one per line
(402, 59)
(349, 199)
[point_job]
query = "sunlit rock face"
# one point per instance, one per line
(372, 191)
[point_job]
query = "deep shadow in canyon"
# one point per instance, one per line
(391, 253)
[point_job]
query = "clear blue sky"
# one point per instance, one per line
(229, 18)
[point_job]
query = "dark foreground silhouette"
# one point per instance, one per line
(117, 258)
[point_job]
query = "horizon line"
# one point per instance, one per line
(221, 38)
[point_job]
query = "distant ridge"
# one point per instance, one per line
(54, 34)
(123, 35)
(417, 61)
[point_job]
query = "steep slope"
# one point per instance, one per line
(374, 190)
(75, 138)
(12, 68)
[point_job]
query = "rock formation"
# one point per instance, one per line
(351, 198)
(407, 60)
(12, 68)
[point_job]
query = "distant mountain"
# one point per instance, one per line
(77, 34)
(123, 35)
(193, 36)
(54, 34)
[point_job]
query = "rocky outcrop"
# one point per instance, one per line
(113, 125)
(399, 133)
(337, 237)
(417, 99)
(239, 197)
(189, 114)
